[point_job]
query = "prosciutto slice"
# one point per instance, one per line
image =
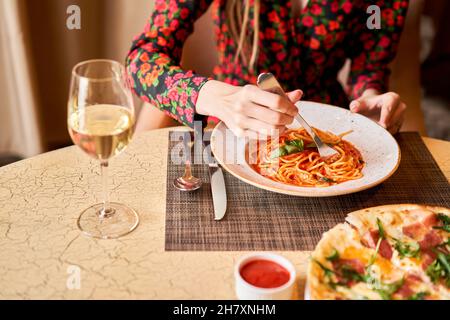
(415, 230)
(431, 239)
(370, 240)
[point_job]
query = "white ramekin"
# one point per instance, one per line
(246, 291)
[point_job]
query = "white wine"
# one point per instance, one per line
(102, 131)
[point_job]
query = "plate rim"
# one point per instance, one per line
(307, 193)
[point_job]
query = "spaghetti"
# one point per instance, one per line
(293, 159)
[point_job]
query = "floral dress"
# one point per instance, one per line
(304, 51)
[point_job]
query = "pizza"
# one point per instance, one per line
(399, 252)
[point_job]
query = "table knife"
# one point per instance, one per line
(217, 181)
(218, 191)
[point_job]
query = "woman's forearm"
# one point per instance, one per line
(154, 60)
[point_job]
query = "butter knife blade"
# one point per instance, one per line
(217, 181)
(218, 191)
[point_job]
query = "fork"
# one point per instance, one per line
(268, 82)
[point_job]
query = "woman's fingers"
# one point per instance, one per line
(269, 100)
(366, 107)
(257, 112)
(245, 122)
(389, 104)
(263, 128)
(295, 95)
(267, 115)
(387, 109)
(255, 129)
(397, 118)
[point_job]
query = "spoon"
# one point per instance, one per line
(187, 182)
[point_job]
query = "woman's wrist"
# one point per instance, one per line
(212, 97)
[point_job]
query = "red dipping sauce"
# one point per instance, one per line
(264, 274)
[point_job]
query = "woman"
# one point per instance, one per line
(303, 43)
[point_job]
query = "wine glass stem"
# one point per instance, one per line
(104, 172)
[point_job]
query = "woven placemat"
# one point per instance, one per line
(261, 220)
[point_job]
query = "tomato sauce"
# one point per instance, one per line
(264, 274)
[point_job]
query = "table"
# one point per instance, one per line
(42, 252)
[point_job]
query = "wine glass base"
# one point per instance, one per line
(110, 226)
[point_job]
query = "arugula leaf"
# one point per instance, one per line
(349, 273)
(410, 250)
(445, 221)
(334, 256)
(434, 271)
(381, 232)
(444, 260)
(444, 244)
(374, 256)
(444, 218)
(386, 290)
(419, 295)
(328, 272)
(445, 228)
(440, 269)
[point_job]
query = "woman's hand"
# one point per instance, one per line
(386, 109)
(247, 110)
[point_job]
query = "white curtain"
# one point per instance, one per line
(19, 133)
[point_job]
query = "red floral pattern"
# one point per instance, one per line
(304, 52)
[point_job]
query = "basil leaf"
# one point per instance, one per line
(334, 256)
(291, 149)
(296, 143)
(311, 145)
(325, 179)
(281, 151)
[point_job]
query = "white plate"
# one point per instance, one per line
(378, 148)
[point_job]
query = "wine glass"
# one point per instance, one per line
(101, 119)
